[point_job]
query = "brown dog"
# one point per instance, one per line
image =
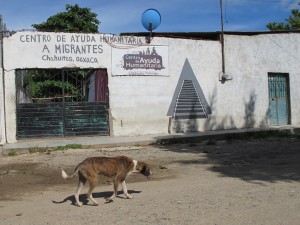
(116, 167)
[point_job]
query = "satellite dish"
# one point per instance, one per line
(151, 19)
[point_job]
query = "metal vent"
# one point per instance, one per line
(188, 104)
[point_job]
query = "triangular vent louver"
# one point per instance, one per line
(188, 104)
(188, 101)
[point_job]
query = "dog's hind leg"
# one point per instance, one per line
(125, 190)
(93, 184)
(80, 185)
(81, 182)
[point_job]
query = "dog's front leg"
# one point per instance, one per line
(125, 190)
(116, 185)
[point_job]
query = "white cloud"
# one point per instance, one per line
(289, 5)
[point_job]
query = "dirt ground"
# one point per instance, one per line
(209, 183)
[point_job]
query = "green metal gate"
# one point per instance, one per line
(59, 103)
(279, 107)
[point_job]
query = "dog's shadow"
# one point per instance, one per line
(84, 200)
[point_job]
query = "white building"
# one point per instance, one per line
(173, 84)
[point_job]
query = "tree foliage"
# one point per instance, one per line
(42, 83)
(74, 19)
(292, 22)
(47, 84)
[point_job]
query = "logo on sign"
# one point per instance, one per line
(143, 60)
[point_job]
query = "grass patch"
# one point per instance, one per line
(37, 150)
(12, 153)
(54, 149)
(59, 148)
(74, 146)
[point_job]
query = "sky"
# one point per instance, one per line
(119, 16)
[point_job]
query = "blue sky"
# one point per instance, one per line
(119, 16)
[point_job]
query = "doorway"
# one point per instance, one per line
(279, 99)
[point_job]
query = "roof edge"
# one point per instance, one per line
(205, 35)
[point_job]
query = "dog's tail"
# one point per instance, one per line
(66, 176)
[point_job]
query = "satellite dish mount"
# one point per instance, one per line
(151, 19)
(150, 34)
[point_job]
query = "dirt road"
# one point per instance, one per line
(224, 183)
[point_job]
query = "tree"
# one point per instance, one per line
(75, 19)
(292, 22)
(45, 83)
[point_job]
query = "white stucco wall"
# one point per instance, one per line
(139, 104)
(10, 106)
(249, 59)
(48, 50)
(238, 103)
(2, 121)
(55, 50)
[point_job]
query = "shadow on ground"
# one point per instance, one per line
(269, 159)
(96, 196)
(262, 156)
